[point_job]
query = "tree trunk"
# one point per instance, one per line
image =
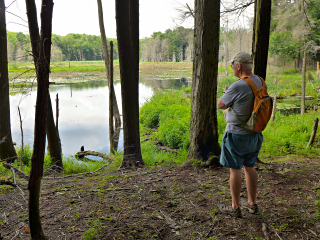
(127, 20)
(303, 84)
(54, 141)
(6, 145)
(274, 109)
(111, 94)
(106, 62)
(203, 127)
(41, 51)
(225, 45)
(314, 132)
(260, 39)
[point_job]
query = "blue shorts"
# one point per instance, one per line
(240, 150)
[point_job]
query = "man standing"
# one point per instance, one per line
(240, 146)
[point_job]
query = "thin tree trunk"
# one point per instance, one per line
(106, 61)
(111, 100)
(225, 44)
(204, 126)
(314, 132)
(57, 112)
(6, 145)
(54, 141)
(21, 153)
(127, 20)
(303, 84)
(261, 35)
(69, 57)
(318, 71)
(41, 51)
(274, 109)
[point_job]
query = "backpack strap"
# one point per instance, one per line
(254, 89)
(253, 86)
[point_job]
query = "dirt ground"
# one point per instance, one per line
(170, 202)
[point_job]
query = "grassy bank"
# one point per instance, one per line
(25, 70)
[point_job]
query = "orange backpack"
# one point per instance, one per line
(262, 108)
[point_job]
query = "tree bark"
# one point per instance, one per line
(127, 20)
(260, 39)
(303, 84)
(6, 145)
(314, 132)
(54, 142)
(42, 63)
(111, 93)
(203, 127)
(106, 62)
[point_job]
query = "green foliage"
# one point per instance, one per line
(26, 155)
(289, 135)
(284, 45)
(174, 130)
(151, 110)
(73, 166)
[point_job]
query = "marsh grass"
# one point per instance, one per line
(161, 69)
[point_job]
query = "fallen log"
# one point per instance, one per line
(82, 154)
(16, 170)
(6, 182)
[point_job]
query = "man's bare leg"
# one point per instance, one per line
(235, 186)
(252, 182)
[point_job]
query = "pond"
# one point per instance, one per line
(83, 114)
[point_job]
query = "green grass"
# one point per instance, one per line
(153, 156)
(289, 135)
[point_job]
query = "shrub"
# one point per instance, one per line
(174, 130)
(150, 111)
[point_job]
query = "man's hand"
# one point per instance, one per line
(221, 104)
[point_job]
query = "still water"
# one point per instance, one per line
(83, 114)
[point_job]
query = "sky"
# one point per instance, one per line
(80, 16)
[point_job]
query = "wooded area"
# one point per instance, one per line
(201, 45)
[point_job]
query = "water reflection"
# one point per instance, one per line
(289, 106)
(83, 116)
(166, 83)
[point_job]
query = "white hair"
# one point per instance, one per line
(245, 66)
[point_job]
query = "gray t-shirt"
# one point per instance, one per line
(240, 98)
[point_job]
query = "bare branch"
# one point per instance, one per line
(239, 7)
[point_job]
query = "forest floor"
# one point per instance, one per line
(169, 202)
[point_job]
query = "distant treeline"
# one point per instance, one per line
(79, 47)
(173, 45)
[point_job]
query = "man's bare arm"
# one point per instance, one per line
(221, 104)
